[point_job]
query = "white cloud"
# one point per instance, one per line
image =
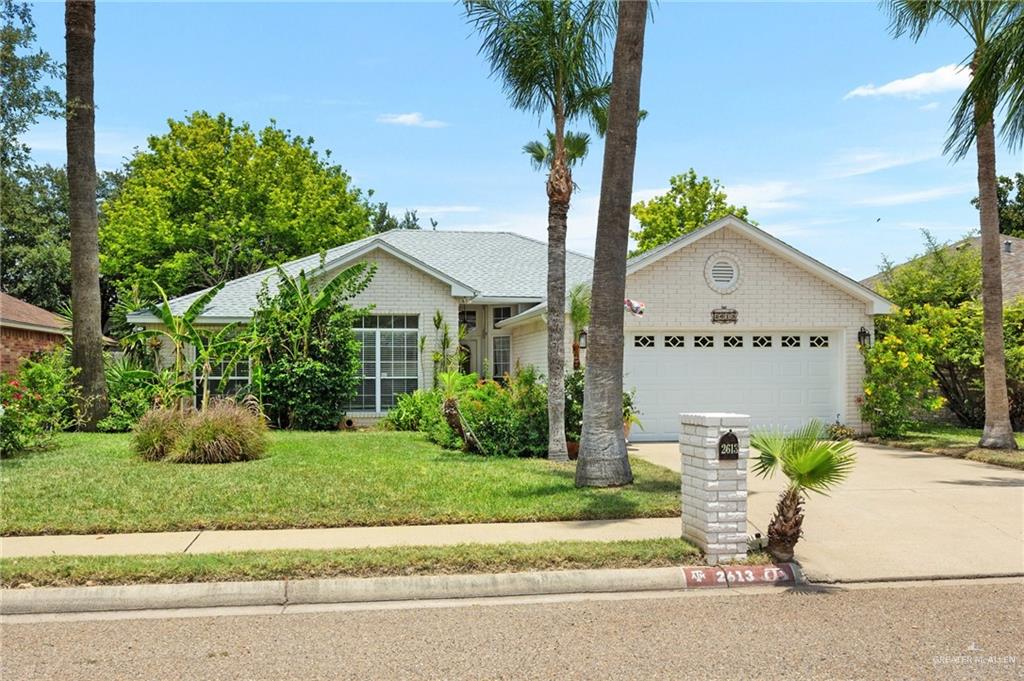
(951, 77)
(439, 210)
(764, 197)
(855, 162)
(921, 196)
(413, 119)
(48, 144)
(930, 106)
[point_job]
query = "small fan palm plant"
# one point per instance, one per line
(812, 463)
(453, 386)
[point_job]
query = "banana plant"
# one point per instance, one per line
(176, 328)
(812, 463)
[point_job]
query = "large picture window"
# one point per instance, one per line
(390, 360)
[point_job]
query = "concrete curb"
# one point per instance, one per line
(373, 589)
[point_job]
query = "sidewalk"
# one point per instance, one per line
(220, 541)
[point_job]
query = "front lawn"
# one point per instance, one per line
(376, 562)
(958, 442)
(94, 484)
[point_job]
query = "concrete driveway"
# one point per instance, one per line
(902, 514)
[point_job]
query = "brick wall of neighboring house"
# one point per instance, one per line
(18, 343)
(773, 294)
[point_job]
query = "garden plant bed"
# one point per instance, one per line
(377, 562)
(94, 484)
(955, 441)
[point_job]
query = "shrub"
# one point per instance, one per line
(37, 401)
(574, 384)
(838, 432)
(898, 377)
(157, 431)
(413, 411)
(308, 367)
(507, 419)
(225, 432)
(131, 390)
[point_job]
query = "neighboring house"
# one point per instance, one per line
(783, 349)
(25, 328)
(1011, 252)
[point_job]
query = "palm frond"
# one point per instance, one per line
(579, 307)
(548, 55)
(540, 158)
(809, 461)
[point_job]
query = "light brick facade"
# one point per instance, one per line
(773, 294)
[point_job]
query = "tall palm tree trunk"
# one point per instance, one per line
(998, 432)
(602, 460)
(86, 329)
(559, 189)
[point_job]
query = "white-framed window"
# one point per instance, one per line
(675, 341)
(224, 379)
(390, 360)
(643, 341)
(467, 318)
(703, 341)
(791, 341)
(762, 341)
(501, 359)
(732, 341)
(501, 314)
(818, 341)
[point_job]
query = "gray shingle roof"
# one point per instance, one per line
(496, 264)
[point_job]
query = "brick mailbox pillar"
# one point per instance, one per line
(714, 448)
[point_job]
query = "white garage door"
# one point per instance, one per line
(782, 379)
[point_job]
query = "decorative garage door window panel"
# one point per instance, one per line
(781, 378)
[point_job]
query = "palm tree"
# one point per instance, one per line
(549, 56)
(579, 317)
(86, 325)
(602, 460)
(812, 464)
(974, 124)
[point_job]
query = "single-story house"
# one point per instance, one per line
(25, 329)
(735, 320)
(1011, 255)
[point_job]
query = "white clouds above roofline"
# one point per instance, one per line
(949, 78)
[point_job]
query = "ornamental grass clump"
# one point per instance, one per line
(224, 432)
(812, 463)
(156, 432)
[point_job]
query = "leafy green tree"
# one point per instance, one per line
(550, 58)
(35, 242)
(212, 200)
(1010, 193)
(35, 251)
(974, 125)
(307, 356)
(23, 96)
(945, 275)
(382, 220)
(689, 203)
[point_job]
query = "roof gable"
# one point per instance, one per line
(876, 303)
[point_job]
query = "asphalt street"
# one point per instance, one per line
(936, 631)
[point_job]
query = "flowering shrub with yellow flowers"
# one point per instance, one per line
(899, 376)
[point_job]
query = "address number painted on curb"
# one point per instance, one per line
(739, 575)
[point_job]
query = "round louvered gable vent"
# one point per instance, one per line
(722, 273)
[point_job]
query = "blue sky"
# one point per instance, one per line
(809, 113)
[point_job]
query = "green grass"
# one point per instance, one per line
(958, 442)
(94, 484)
(406, 560)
